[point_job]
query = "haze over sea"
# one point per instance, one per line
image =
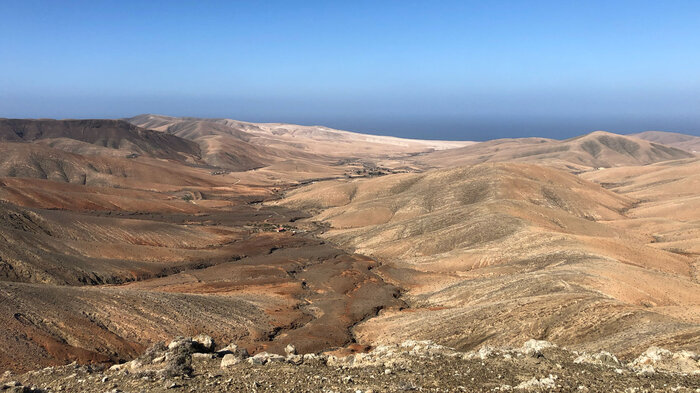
(448, 70)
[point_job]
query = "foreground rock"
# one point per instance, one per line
(538, 366)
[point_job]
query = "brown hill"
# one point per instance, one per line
(507, 252)
(668, 211)
(594, 150)
(288, 152)
(93, 136)
(74, 226)
(101, 255)
(30, 160)
(690, 143)
(225, 273)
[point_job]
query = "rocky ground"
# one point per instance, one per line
(193, 365)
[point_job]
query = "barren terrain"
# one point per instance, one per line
(117, 234)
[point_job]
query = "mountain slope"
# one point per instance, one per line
(594, 150)
(92, 137)
(31, 160)
(508, 252)
(284, 148)
(686, 142)
(668, 212)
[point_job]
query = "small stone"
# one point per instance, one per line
(204, 342)
(180, 342)
(387, 371)
(295, 359)
(310, 356)
(229, 360)
(534, 347)
(231, 348)
(290, 350)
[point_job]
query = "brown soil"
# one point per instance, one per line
(113, 237)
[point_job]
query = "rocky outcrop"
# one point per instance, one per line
(659, 359)
(410, 366)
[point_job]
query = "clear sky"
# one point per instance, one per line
(432, 69)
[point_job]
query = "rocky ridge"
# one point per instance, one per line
(194, 365)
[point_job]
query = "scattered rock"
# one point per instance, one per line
(601, 358)
(295, 359)
(264, 358)
(179, 362)
(119, 367)
(535, 347)
(230, 360)
(656, 359)
(290, 350)
(411, 366)
(181, 342)
(235, 350)
(538, 384)
(204, 343)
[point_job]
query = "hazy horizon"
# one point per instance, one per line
(453, 70)
(475, 129)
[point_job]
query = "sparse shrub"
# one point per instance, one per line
(179, 362)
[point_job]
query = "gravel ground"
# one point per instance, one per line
(416, 366)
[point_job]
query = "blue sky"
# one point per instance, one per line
(453, 70)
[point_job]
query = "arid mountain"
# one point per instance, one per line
(91, 137)
(275, 133)
(686, 142)
(285, 152)
(594, 150)
(32, 160)
(223, 269)
(199, 250)
(509, 251)
(114, 236)
(667, 213)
